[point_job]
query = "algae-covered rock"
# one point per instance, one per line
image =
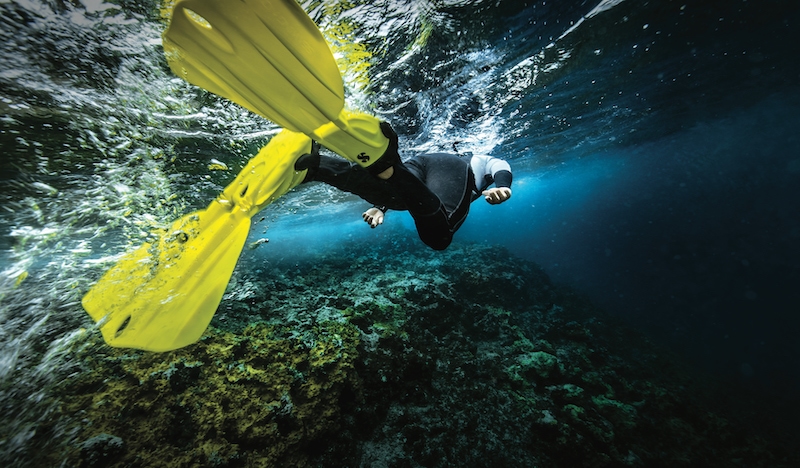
(252, 399)
(541, 363)
(101, 450)
(401, 357)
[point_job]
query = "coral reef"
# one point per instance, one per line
(402, 357)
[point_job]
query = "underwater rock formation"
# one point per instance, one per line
(400, 357)
(254, 398)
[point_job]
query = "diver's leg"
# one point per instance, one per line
(332, 171)
(446, 175)
(430, 216)
(434, 229)
(351, 178)
(419, 199)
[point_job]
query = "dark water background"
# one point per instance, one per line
(655, 154)
(662, 172)
(655, 148)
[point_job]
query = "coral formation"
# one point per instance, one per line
(402, 357)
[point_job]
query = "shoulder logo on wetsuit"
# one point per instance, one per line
(363, 157)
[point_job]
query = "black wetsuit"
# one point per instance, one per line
(436, 189)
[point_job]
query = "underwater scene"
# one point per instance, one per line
(636, 302)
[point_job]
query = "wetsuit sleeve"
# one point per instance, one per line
(500, 171)
(503, 178)
(488, 169)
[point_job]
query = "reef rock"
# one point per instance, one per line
(401, 357)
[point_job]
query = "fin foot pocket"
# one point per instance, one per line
(309, 160)
(391, 156)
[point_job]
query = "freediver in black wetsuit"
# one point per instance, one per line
(436, 189)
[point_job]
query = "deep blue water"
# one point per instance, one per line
(657, 164)
(693, 237)
(654, 146)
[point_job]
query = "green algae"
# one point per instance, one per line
(248, 399)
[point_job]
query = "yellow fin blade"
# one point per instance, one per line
(265, 55)
(269, 174)
(163, 295)
(269, 57)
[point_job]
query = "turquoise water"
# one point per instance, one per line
(654, 148)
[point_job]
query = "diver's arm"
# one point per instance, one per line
(493, 170)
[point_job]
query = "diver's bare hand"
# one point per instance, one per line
(497, 195)
(373, 217)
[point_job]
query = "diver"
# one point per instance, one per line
(436, 189)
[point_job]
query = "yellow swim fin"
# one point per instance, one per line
(269, 57)
(163, 295)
